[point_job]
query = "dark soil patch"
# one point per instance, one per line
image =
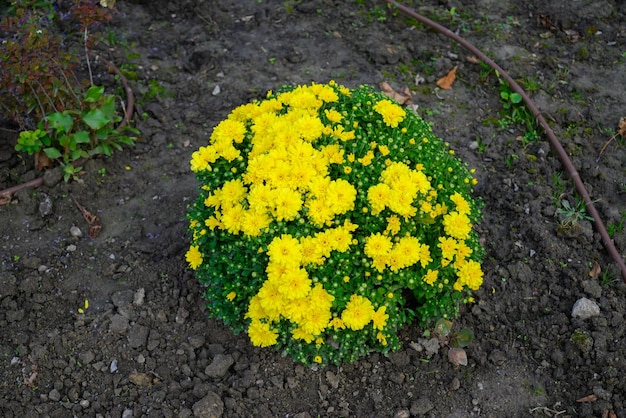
(145, 346)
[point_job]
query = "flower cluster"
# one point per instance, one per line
(328, 218)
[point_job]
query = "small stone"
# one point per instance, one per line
(122, 298)
(592, 288)
(70, 248)
(473, 145)
(84, 403)
(196, 341)
(119, 324)
(216, 90)
(128, 413)
(54, 395)
(86, 357)
(585, 308)
(421, 407)
(402, 413)
(211, 406)
(113, 367)
(219, 366)
(138, 335)
(139, 296)
(332, 379)
(76, 232)
(45, 206)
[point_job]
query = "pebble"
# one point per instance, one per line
(421, 406)
(54, 395)
(70, 248)
(585, 308)
(138, 335)
(86, 357)
(139, 296)
(113, 367)
(219, 366)
(76, 232)
(119, 324)
(122, 298)
(211, 406)
(45, 207)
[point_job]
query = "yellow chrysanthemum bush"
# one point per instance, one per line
(329, 218)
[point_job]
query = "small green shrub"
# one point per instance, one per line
(71, 135)
(329, 218)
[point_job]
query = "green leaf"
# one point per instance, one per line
(515, 98)
(94, 94)
(52, 153)
(108, 107)
(443, 327)
(81, 137)
(464, 337)
(61, 121)
(504, 95)
(96, 119)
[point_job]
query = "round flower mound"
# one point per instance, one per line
(327, 219)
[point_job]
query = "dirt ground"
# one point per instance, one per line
(145, 347)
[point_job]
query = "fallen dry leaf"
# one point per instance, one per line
(140, 379)
(588, 398)
(95, 226)
(473, 59)
(608, 414)
(42, 161)
(447, 80)
(5, 199)
(595, 271)
(391, 93)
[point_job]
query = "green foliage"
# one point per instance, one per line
(71, 135)
(617, 227)
(571, 215)
(329, 218)
(38, 72)
(515, 112)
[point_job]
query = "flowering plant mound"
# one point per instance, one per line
(328, 218)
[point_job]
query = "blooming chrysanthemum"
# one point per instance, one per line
(320, 209)
(358, 313)
(194, 257)
(392, 113)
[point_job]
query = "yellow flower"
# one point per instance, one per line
(367, 158)
(462, 251)
(285, 249)
(457, 225)
(392, 113)
(261, 335)
(430, 277)
(295, 284)
(231, 296)
(393, 225)
(333, 115)
(318, 359)
(448, 247)
(300, 334)
(359, 312)
(377, 245)
(384, 149)
(461, 204)
(471, 274)
(381, 338)
(336, 323)
(194, 257)
(379, 319)
(378, 197)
